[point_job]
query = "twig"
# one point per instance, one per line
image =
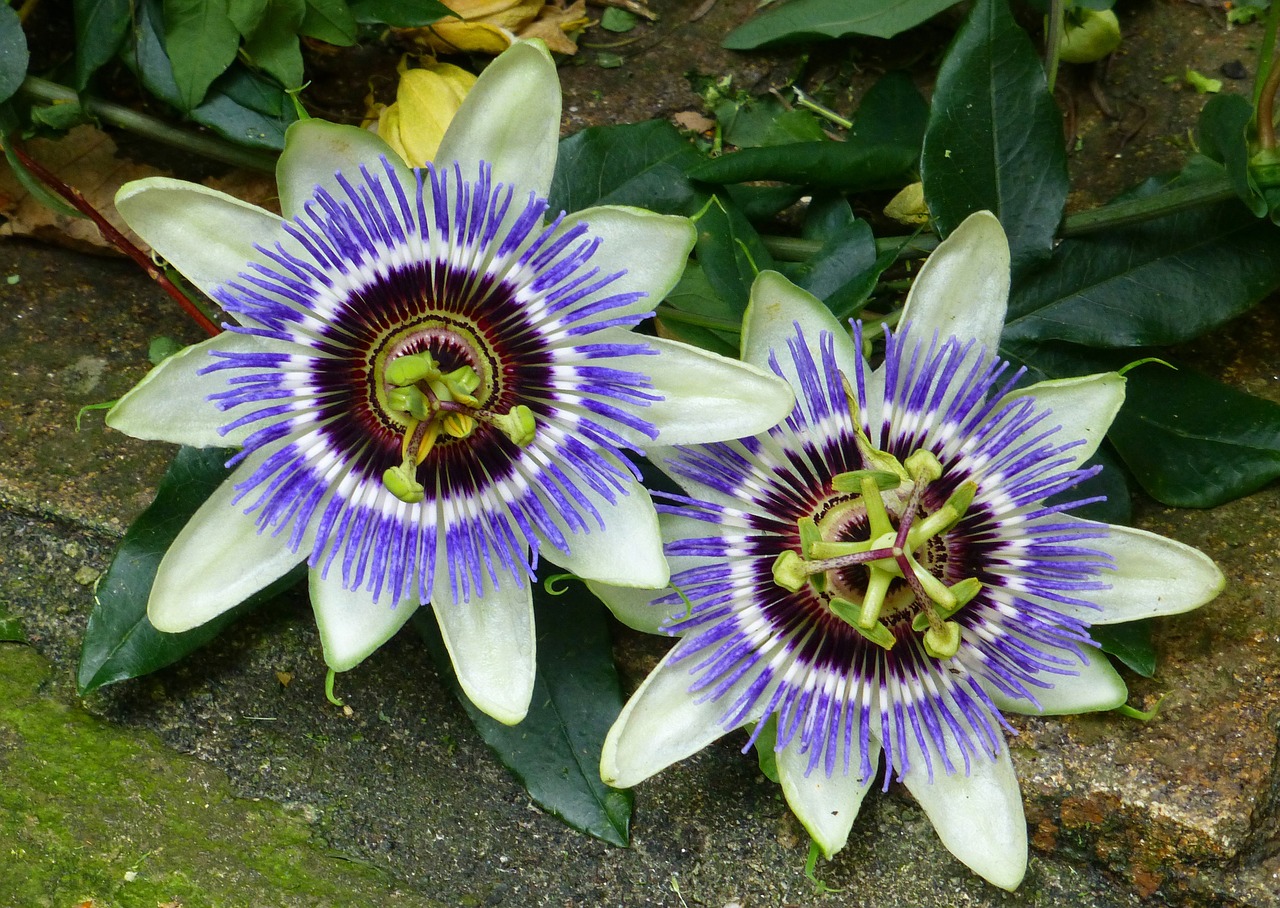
(113, 236)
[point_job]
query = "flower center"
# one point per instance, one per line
(876, 530)
(436, 384)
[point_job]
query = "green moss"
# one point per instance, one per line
(89, 811)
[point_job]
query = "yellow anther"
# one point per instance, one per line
(419, 439)
(458, 425)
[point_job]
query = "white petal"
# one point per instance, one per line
(1098, 686)
(207, 235)
(351, 624)
(1083, 406)
(963, 288)
(217, 561)
(510, 119)
(769, 325)
(978, 816)
(705, 397)
(665, 239)
(172, 402)
(314, 150)
(661, 724)
(635, 607)
(1153, 576)
(825, 805)
(626, 551)
(490, 640)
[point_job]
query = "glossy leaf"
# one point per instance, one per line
(803, 20)
(843, 271)
(1164, 282)
(1224, 136)
(892, 112)
(1193, 442)
(1130, 643)
(399, 13)
(248, 109)
(101, 26)
(994, 139)
(730, 251)
(641, 164)
(13, 53)
(273, 47)
(694, 313)
(119, 641)
(765, 121)
(852, 166)
(201, 42)
(555, 751)
(330, 21)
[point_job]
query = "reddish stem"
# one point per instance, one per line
(76, 199)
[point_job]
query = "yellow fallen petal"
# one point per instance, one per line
(426, 101)
(555, 22)
(470, 37)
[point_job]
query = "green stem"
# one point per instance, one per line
(795, 249)
(43, 90)
(1266, 61)
(1053, 41)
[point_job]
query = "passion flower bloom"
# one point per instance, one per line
(881, 574)
(430, 386)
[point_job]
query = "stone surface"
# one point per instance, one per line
(1183, 810)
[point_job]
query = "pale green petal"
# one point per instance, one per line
(705, 397)
(207, 235)
(769, 325)
(218, 560)
(172, 402)
(314, 150)
(1083, 406)
(626, 551)
(634, 607)
(511, 120)
(1098, 686)
(978, 816)
(962, 290)
(826, 805)
(1154, 576)
(665, 241)
(351, 624)
(490, 641)
(661, 724)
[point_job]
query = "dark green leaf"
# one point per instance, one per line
(555, 751)
(1224, 137)
(837, 272)
(274, 47)
(119, 641)
(759, 203)
(730, 252)
(1130, 643)
(1193, 442)
(147, 57)
(201, 43)
(330, 21)
(248, 109)
(641, 164)
(694, 313)
(1161, 283)
(618, 20)
(246, 15)
(892, 112)
(13, 53)
(60, 117)
(803, 20)
(399, 13)
(101, 26)
(994, 139)
(851, 166)
(767, 749)
(763, 122)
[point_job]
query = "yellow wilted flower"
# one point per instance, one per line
(490, 26)
(426, 100)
